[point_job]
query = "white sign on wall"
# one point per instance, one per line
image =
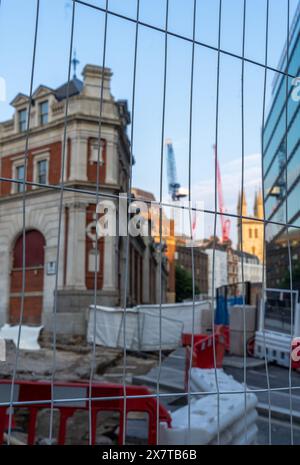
(51, 268)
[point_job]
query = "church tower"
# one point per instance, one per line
(250, 230)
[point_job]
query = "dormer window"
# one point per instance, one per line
(22, 120)
(44, 112)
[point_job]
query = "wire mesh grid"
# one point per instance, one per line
(107, 11)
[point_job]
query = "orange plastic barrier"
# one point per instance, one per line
(219, 329)
(203, 352)
(225, 331)
(27, 391)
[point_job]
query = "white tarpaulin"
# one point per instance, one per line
(142, 329)
(143, 326)
(29, 336)
(150, 332)
(109, 326)
(184, 312)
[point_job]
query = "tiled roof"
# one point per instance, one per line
(75, 87)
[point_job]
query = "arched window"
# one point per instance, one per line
(34, 250)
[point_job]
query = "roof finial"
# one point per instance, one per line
(75, 62)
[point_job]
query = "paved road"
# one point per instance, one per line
(256, 378)
(281, 432)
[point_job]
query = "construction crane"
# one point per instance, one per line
(225, 223)
(175, 190)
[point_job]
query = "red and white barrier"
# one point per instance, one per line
(36, 396)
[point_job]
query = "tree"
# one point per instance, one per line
(184, 284)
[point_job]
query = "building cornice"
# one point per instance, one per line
(58, 124)
(70, 187)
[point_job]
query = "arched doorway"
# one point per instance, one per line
(34, 278)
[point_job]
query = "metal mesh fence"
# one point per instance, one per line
(108, 11)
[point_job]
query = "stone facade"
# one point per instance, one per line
(51, 147)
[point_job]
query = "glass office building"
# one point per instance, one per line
(281, 169)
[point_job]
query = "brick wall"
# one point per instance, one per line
(54, 166)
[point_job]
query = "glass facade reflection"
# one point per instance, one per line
(281, 171)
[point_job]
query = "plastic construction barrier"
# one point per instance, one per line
(39, 393)
(203, 353)
(276, 347)
(225, 331)
(186, 338)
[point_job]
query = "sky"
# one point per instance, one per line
(17, 19)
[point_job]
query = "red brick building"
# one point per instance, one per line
(76, 266)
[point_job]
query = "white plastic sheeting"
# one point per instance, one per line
(108, 326)
(184, 312)
(29, 336)
(143, 325)
(149, 332)
(142, 329)
(237, 426)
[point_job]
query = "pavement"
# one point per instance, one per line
(232, 361)
(171, 374)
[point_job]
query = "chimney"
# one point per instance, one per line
(92, 81)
